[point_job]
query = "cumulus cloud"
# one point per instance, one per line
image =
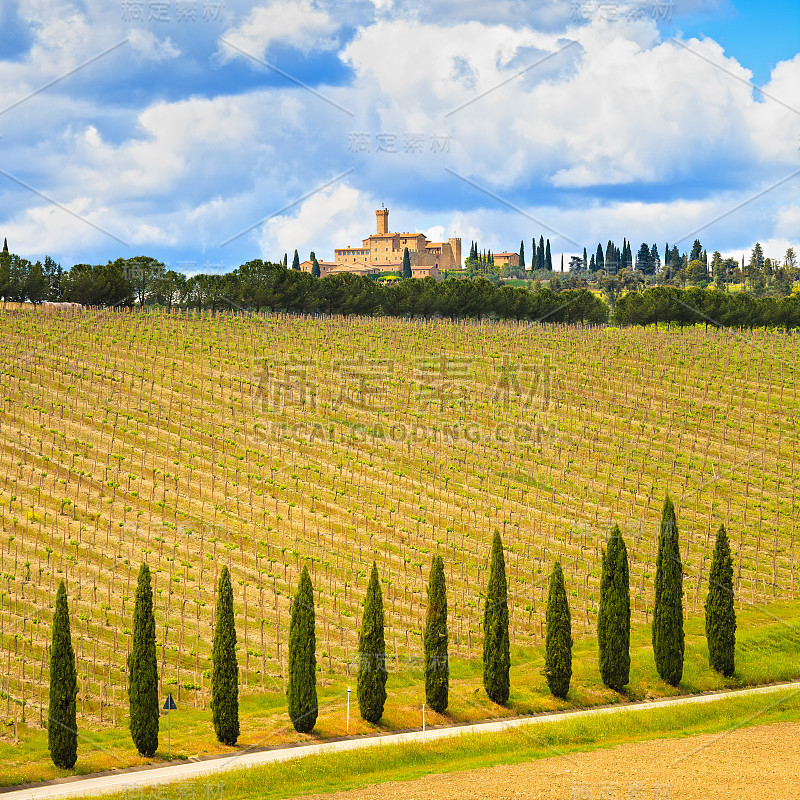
(293, 23)
(149, 47)
(598, 129)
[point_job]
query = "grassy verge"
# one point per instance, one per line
(356, 769)
(768, 650)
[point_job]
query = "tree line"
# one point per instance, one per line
(613, 637)
(575, 297)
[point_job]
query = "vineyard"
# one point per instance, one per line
(262, 442)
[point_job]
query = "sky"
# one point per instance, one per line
(207, 133)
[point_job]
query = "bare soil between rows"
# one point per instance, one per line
(747, 763)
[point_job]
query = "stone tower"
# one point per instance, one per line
(455, 249)
(383, 221)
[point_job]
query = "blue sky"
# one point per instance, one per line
(209, 132)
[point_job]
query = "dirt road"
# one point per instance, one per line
(758, 763)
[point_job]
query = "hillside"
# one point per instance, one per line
(263, 441)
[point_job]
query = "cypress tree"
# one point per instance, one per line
(540, 261)
(406, 264)
(668, 609)
(143, 669)
(301, 689)
(720, 613)
(225, 669)
(598, 258)
(296, 261)
(548, 259)
(5, 245)
(614, 616)
(371, 686)
(585, 261)
(558, 641)
(437, 667)
(522, 254)
(62, 730)
(496, 646)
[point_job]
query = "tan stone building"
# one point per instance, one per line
(383, 252)
(506, 259)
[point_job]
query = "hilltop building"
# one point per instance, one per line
(506, 259)
(383, 252)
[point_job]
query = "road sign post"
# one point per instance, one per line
(169, 705)
(347, 729)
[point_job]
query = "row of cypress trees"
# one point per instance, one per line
(62, 732)
(613, 635)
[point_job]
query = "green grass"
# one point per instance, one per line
(768, 650)
(352, 770)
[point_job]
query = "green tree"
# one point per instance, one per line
(720, 613)
(496, 645)
(36, 288)
(372, 675)
(143, 669)
(522, 255)
(406, 264)
(296, 261)
(756, 275)
(614, 615)
(697, 272)
(62, 729)
(548, 259)
(225, 669)
(437, 667)
(315, 270)
(301, 689)
(558, 640)
(668, 641)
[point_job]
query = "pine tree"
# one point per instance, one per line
(406, 264)
(143, 669)
(496, 646)
(296, 261)
(558, 641)
(655, 259)
(62, 730)
(522, 254)
(225, 669)
(301, 689)
(720, 613)
(372, 675)
(614, 616)
(437, 667)
(668, 641)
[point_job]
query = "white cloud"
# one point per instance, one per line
(146, 45)
(334, 217)
(618, 115)
(293, 23)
